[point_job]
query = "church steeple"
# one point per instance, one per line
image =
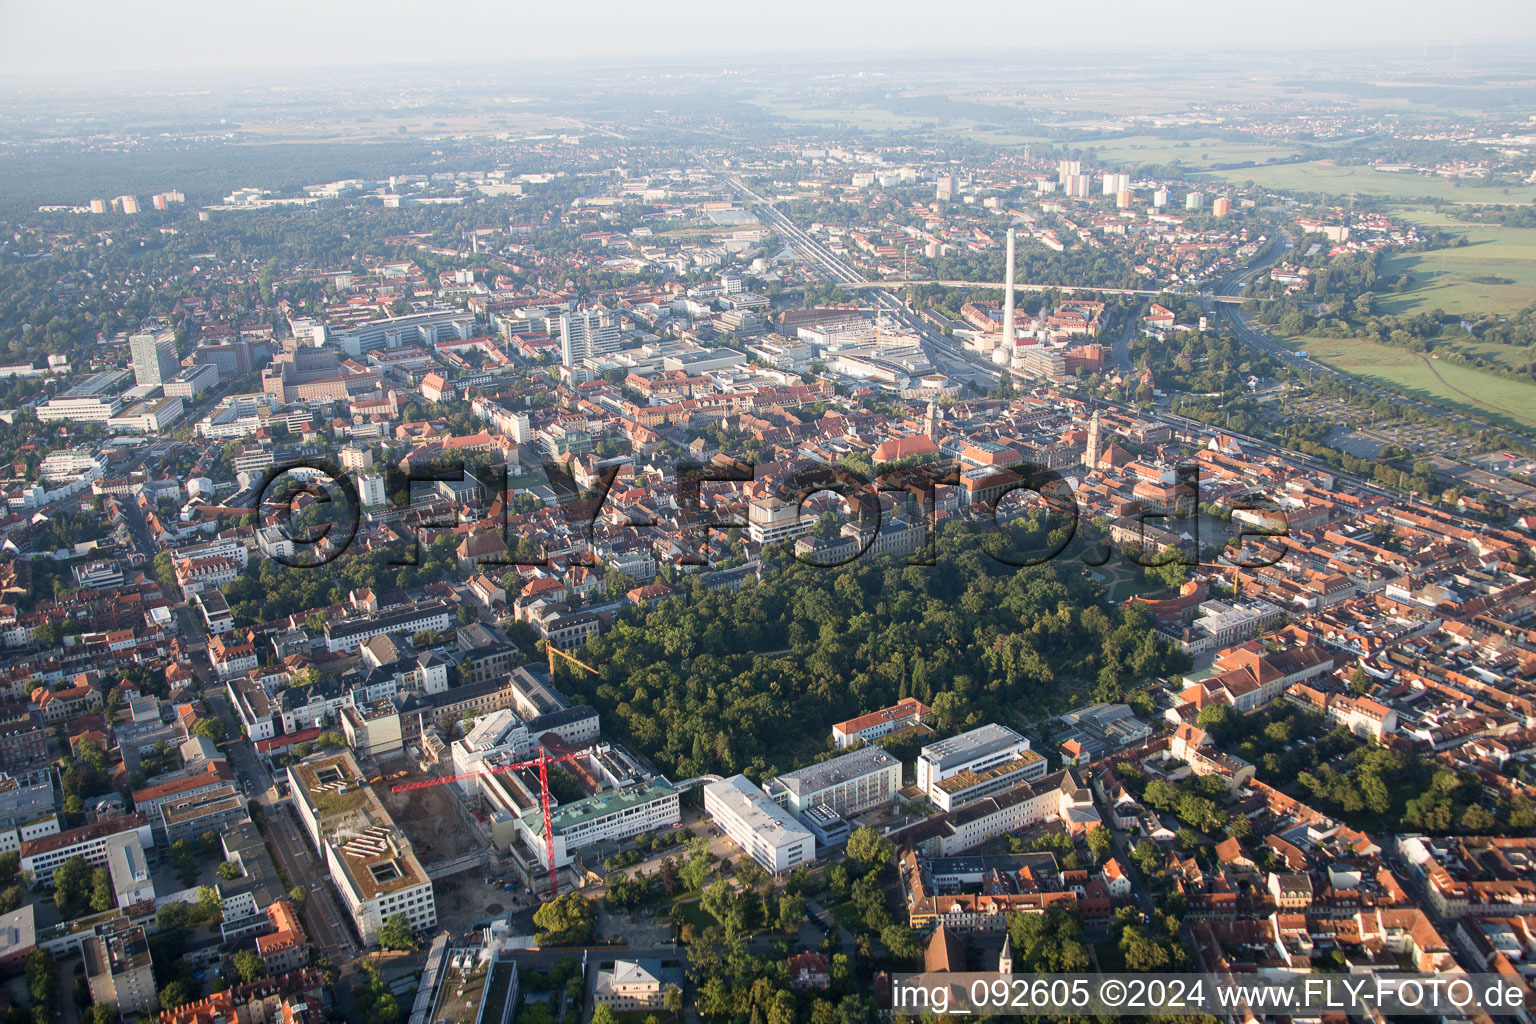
(1091, 453)
(1005, 958)
(931, 420)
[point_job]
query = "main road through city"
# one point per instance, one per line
(1224, 302)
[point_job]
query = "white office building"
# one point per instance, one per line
(154, 357)
(370, 489)
(975, 751)
(761, 828)
(971, 786)
(770, 520)
(193, 381)
(498, 736)
(94, 400)
(427, 329)
(847, 784)
(587, 335)
(613, 814)
(369, 860)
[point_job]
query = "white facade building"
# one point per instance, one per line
(976, 751)
(847, 784)
(761, 828)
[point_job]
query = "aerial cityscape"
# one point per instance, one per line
(713, 538)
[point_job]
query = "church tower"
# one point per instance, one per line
(1091, 453)
(1005, 958)
(931, 421)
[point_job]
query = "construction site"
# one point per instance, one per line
(440, 828)
(483, 803)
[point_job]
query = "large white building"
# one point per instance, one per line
(1060, 795)
(499, 735)
(970, 786)
(347, 634)
(154, 357)
(40, 858)
(131, 879)
(369, 859)
(761, 828)
(587, 335)
(192, 382)
(771, 519)
(149, 416)
(426, 328)
(616, 813)
(96, 399)
(847, 784)
(975, 751)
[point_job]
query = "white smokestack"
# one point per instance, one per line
(1010, 336)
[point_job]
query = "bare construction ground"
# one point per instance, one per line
(433, 818)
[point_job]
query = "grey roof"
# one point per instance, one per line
(817, 777)
(968, 746)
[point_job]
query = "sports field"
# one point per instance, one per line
(1329, 178)
(1498, 400)
(1495, 272)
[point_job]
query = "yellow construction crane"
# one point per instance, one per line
(554, 651)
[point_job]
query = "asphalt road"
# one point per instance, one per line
(328, 926)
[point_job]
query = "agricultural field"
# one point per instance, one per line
(1326, 177)
(866, 118)
(1196, 153)
(1494, 273)
(1499, 400)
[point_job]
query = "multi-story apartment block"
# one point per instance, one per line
(120, 972)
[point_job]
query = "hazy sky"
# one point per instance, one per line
(86, 36)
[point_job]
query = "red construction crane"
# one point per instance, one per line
(542, 762)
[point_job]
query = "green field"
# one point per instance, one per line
(1498, 400)
(1199, 153)
(997, 136)
(1327, 177)
(1494, 273)
(868, 118)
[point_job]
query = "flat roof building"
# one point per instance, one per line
(120, 973)
(129, 868)
(977, 750)
(847, 784)
(761, 828)
(370, 860)
(616, 813)
(967, 787)
(467, 984)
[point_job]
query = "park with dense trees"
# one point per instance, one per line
(752, 681)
